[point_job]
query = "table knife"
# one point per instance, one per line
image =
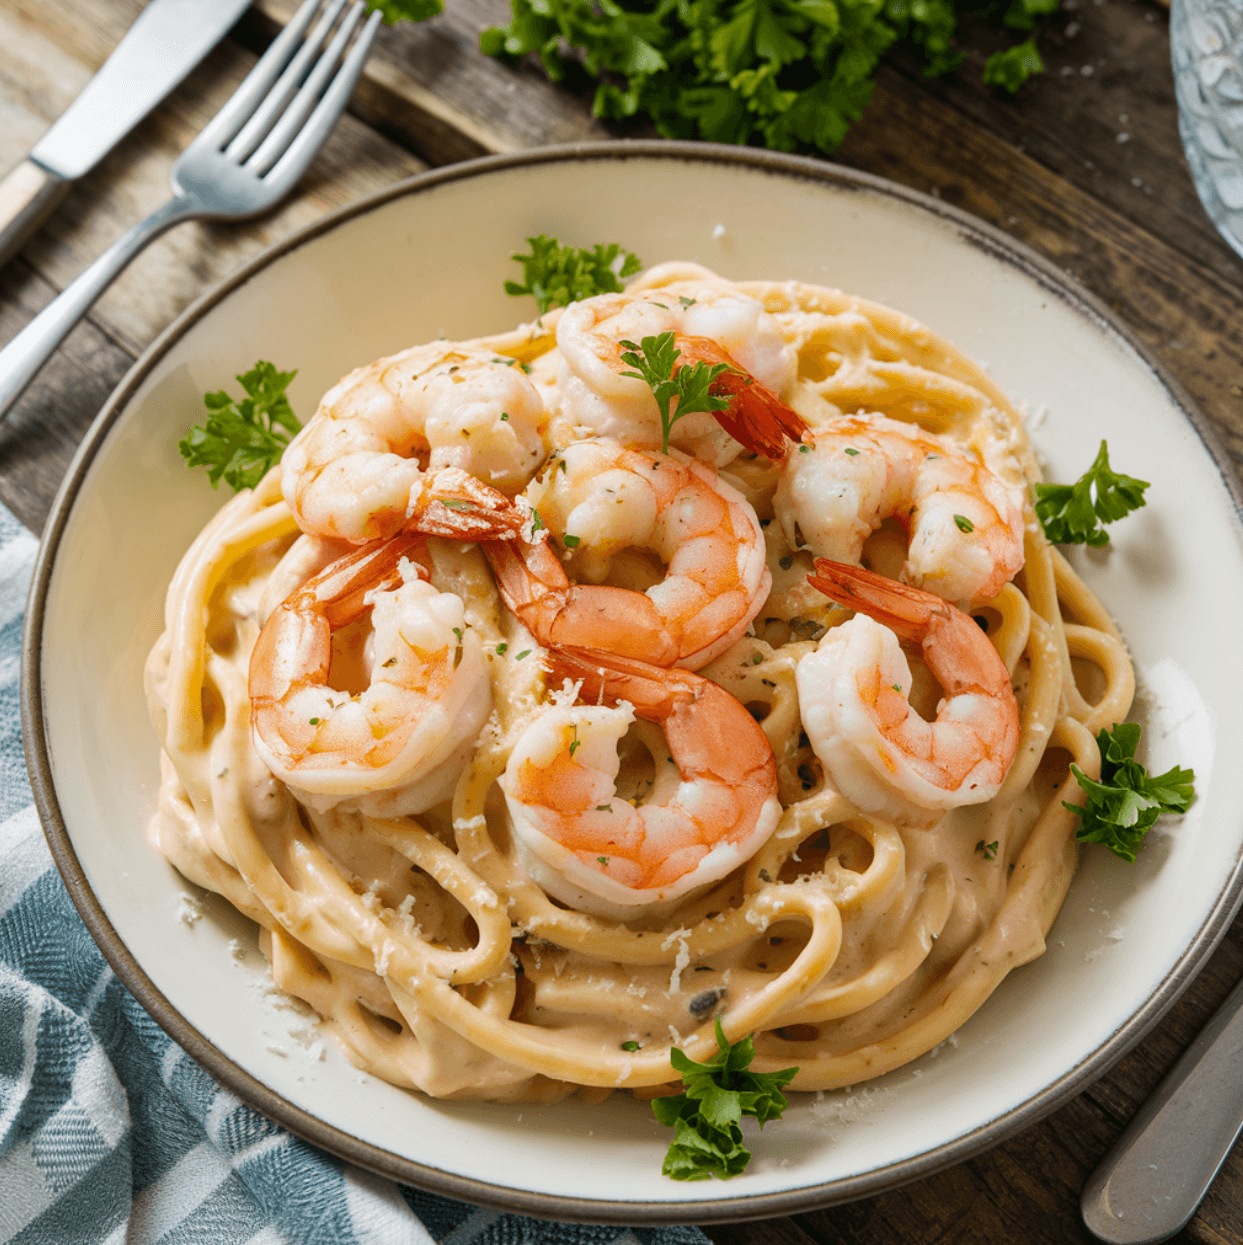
(1149, 1184)
(168, 40)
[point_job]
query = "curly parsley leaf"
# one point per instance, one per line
(1008, 70)
(1072, 514)
(242, 440)
(408, 10)
(1122, 807)
(690, 385)
(556, 275)
(705, 1117)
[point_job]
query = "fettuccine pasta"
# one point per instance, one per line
(451, 949)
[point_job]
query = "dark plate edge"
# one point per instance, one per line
(550, 1206)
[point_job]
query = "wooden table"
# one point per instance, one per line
(1085, 166)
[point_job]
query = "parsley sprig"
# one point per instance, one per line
(1072, 514)
(690, 385)
(556, 275)
(789, 74)
(1122, 807)
(1008, 70)
(242, 440)
(707, 1140)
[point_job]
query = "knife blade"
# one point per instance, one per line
(169, 38)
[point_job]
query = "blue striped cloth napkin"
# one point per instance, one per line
(109, 1132)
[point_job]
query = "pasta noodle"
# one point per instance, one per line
(848, 943)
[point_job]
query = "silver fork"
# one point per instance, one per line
(248, 158)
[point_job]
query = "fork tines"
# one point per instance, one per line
(291, 98)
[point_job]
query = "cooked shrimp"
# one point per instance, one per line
(756, 418)
(434, 439)
(709, 808)
(853, 698)
(307, 556)
(598, 499)
(399, 745)
(964, 516)
(595, 399)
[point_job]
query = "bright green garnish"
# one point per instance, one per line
(786, 74)
(707, 1140)
(690, 385)
(1122, 807)
(242, 441)
(1072, 514)
(1009, 69)
(556, 275)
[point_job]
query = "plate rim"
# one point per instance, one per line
(318, 1131)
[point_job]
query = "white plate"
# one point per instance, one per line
(428, 258)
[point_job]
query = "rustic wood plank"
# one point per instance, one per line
(1111, 131)
(1219, 1221)
(39, 434)
(760, 1232)
(86, 30)
(1026, 1189)
(428, 84)
(133, 181)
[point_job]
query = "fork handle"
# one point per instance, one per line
(27, 196)
(1150, 1183)
(33, 346)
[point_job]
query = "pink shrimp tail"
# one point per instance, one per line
(295, 645)
(957, 653)
(534, 585)
(654, 691)
(709, 731)
(755, 417)
(905, 610)
(457, 505)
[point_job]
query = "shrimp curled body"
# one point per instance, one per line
(435, 439)
(399, 745)
(596, 398)
(600, 499)
(712, 803)
(964, 519)
(853, 693)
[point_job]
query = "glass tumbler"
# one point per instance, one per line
(1206, 47)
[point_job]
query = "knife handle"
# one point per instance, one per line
(27, 196)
